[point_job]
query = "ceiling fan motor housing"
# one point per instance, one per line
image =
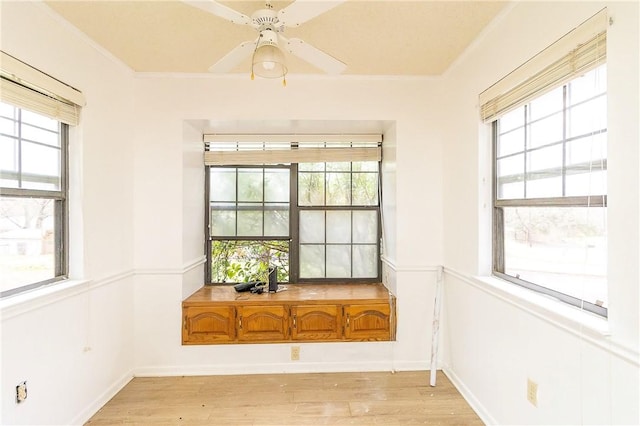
(268, 37)
(266, 19)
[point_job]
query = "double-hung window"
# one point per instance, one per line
(550, 179)
(36, 111)
(310, 208)
(33, 203)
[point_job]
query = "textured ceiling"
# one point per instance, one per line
(402, 38)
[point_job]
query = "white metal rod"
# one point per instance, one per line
(435, 328)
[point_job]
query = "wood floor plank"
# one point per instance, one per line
(368, 398)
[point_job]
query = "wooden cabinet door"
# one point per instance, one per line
(368, 322)
(260, 323)
(316, 322)
(208, 325)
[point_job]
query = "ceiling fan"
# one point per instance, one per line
(266, 49)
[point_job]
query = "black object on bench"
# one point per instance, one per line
(247, 286)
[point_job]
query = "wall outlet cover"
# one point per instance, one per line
(21, 392)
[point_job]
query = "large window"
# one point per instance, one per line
(313, 220)
(338, 220)
(33, 153)
(550, 193)
(249, 222)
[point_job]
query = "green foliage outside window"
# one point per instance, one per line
(234, 261)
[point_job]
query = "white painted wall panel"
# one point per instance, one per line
(494, 342)
(74, 348)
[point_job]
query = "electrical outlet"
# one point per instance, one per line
(21, 392)
(295, 353)
(532, 392)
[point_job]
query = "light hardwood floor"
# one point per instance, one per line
(372, 398)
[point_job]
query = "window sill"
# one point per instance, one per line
(547, 308)
(21, 303)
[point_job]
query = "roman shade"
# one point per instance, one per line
(26, 87)
(253, 149)
(579, 51)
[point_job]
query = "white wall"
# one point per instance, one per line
(73, 345)
(495, 340)
(173, 239)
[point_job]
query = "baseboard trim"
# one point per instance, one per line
(278, 368)
(102, 399)
(474, 402)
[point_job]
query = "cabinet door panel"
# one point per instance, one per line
(208, 325)
(259, 323)
(316, 322)
(368, 322)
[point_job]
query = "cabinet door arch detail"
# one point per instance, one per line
(368, 322)
(210, 324)
(257, 323)
(316, 322)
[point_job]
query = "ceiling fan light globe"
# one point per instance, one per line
(268, 62)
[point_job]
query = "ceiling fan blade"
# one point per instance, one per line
(234, 57)
(314, 56)
(220, 10)
(301, 11)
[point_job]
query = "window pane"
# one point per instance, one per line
(365, 227)
(587, 117)
(311, 167)
(312, 227)
(511, 166)
(250, 185)
(249, 223)
(276, 185)
(39, 120)
(587, 149)
(512, 119)
(543, 188)
(365, 261)
(312, 261)
(338, 189)
(546, 104)
(545, 131)
(545, 158)
(223, 222)
(339, 261)
(27, 241)
(338, 167)
(311, 189)
(38, 134)
(222, 184)
(8, 111)
(8, 127)
(564, 249)
(276, 220)
(339, 227)
(594, 183)
(241, 261)
(8, 154)
(513, 190)
(591, 84)
(365, 189)
(364, 166)
(511, 142)
(40, 166)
